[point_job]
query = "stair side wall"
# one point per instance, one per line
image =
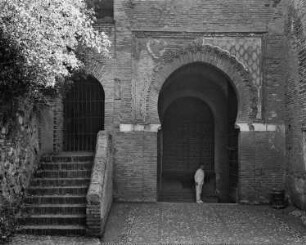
(100, 192)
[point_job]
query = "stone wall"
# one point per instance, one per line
(20, 149)
(295, 102)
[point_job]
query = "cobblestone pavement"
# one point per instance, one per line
(188, 223)
(183, 223)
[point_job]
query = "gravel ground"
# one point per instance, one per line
(188, 223)
(182, 223)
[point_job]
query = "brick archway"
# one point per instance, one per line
(220, 59)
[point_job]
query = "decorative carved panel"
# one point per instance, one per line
(247, 50)
(152, 50)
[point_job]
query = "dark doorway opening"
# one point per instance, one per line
(83, 114)
(198, 107)
(188, 140)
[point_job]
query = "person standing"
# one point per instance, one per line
(199, 181)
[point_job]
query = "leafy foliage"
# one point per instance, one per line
(40, 41)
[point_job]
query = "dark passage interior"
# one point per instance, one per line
(188, 141)
(83, 114)
(198, 108)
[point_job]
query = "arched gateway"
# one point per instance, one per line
(198, 95)
(83, 114)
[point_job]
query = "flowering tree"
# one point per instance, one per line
(40, 41)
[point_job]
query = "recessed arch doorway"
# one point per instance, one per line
(197, 106)
(83, 114)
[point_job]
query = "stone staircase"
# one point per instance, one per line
(56, 199)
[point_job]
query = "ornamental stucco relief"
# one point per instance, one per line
(156, 52)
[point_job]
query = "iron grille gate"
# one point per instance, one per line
(83, 115)
(180, 152)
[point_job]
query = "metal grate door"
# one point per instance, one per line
(83, 115)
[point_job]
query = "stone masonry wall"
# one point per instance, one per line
(20, 149)
(295, 102)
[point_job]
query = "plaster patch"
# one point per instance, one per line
(139, 127)
(300, 185)
(156, 47)
(260, 127)
(126, 127)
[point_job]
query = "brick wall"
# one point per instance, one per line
(249, 43)
(295, 102)
(262, 166)
(148, 32)
(209, 15)
(178, 24)
(135, 168)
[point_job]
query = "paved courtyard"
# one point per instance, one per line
(208, 223)
(188, 223)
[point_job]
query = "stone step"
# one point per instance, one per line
(56, 209)
(72, 190)
(184, 199)
(55, 199)
(68, 158)
(55, 219)
(63, 174)
(62, 166)
(59, 182)
(59, 230)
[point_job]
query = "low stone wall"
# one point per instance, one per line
(100, 192)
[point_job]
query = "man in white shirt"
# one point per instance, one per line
(199, 181)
